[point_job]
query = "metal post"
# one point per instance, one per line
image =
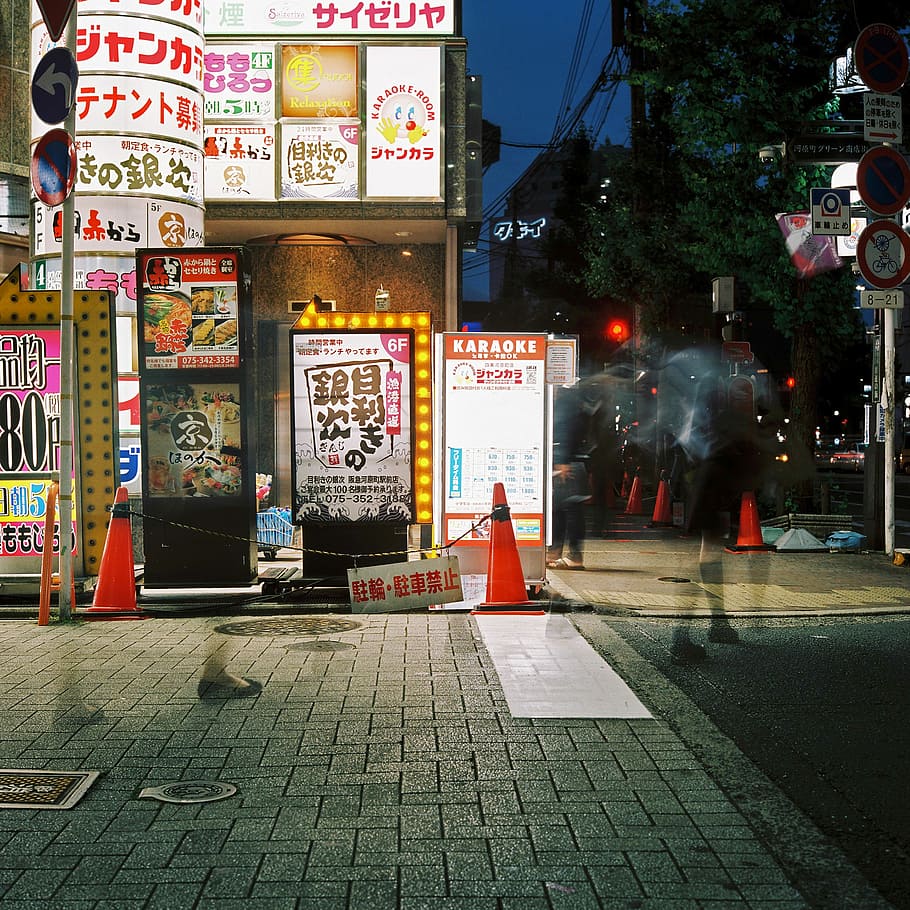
(888, 395)
(66, 373)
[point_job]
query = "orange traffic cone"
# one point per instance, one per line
(634, 506)
(749, 537)
(624, 489)
(506, 590)
(662, 514)
(116, 590)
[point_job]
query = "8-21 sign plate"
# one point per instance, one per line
(871, 299)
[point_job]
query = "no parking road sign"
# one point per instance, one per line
(54, 167)
(883, 254)
(881, 58)
(883, 180)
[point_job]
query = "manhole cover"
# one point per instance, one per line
(320, 644)
(189, 791)
(290, 625)
(675, 579)
(43, 789)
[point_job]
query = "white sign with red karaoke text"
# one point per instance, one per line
(494, 407)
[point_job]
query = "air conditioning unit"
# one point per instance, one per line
(320, 305)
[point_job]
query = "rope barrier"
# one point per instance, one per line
(123, 511)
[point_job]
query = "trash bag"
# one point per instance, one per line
(845, 541)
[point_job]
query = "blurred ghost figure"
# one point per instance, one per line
(571, 488)
(716, 425)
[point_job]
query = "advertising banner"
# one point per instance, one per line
(117, 224)
(240, 161)
(352, 426)
(320, 161)
(189, 310)
(239, 81)
(319, 81)
(314, 18)
(147, 106)
(30, 449)
(494, 401)
(197, 442)
(194, 439)
(403, 142)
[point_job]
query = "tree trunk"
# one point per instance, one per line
(804, 396)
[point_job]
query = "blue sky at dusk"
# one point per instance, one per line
(537, 61)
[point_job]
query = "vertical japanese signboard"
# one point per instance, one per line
(198, 451)
(29, 435)
(493, 394)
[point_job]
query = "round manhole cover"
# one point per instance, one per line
(289, 625)
(189, 791)
(675, 579)
(320, 644)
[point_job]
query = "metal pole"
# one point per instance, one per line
(888, 403)
(66, 373)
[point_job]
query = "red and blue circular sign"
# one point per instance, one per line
(881, 60)
(883, 255)
(883, 180)
(54, 167)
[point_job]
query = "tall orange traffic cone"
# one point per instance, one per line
(506, 590)
(749, 537)
(662, 514)
(116, 590)
(634, 506)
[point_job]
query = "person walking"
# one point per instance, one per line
(571, 488)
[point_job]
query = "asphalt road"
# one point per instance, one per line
(821, 707)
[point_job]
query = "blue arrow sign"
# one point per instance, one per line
(54, 167)
(54, 85)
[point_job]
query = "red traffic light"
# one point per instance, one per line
(617, 330)
(790, 382)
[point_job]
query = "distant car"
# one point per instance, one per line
(848, 458)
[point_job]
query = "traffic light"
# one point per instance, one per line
(617, 331)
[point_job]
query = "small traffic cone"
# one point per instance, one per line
(749, 537)
(634, 506)
(662, 516)
(506, 590)
(116, 590)
(624, 489)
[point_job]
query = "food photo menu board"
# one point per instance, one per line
(196, 417)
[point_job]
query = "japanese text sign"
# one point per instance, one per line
(404, 586)
(352, 406)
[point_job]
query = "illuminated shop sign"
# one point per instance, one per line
(362, 418)
(30, 453)
(403, 144)
(115, 223)
(519, 230)
(239, 81)
(319, 81)
(400, 18)
(320, 161)
(240, 161)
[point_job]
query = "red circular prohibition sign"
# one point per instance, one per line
(875, 255)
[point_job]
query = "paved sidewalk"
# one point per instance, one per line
(646, 571)
(379, 767)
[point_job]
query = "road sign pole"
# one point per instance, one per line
(67, 273)
(888, 393)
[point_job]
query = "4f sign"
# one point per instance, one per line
(55, 14)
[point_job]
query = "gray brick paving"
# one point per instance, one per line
(387, 776)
